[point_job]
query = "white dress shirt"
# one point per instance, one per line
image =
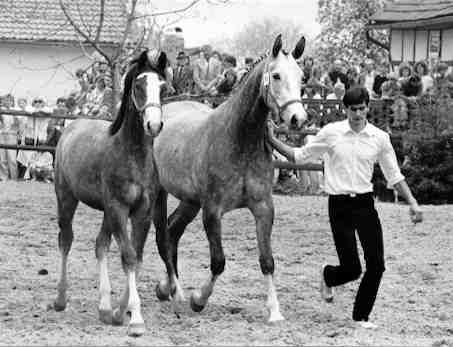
(349, 157)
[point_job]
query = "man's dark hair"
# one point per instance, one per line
(61, 99)
(355, 96)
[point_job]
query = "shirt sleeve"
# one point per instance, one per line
(388, 163)
(314, 149)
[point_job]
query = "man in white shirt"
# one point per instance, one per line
(350, 149)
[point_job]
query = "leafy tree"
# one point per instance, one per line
(344, 33)
(257, 37)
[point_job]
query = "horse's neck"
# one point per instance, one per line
(248, 112)
(131, 133)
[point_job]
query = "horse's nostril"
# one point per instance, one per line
(294, 119)
(148, 126)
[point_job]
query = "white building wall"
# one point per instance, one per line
(29, 70)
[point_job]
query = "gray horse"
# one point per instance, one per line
(110, 167)
(218, 160)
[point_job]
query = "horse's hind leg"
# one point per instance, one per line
(167, 242)
(66, 204)
(103, 242)
(212, 225)
(263, 211)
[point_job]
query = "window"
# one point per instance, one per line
(434, 44)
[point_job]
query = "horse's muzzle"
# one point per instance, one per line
(153, 128)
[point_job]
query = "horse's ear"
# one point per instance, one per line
(277, 45)
(162, 63)
(299, 49)
(142, 58)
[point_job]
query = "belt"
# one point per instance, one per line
(352, 195)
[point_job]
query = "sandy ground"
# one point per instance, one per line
(414, 306)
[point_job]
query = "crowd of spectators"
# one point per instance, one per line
(206, 73)
(382, 80)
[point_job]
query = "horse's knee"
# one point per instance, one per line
(267, 265)
(102, 244)
(128, 258)
(217, 265)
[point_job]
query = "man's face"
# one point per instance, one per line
(357, 115)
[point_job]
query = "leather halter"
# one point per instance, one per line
(267, 86)
(144, 107)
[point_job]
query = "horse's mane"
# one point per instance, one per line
(249, 69)
(116, 125)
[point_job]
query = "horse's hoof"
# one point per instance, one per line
(136, 329)
(59, 306)
(194, 305)
(117, 318)
(161, 295)
(106, 316)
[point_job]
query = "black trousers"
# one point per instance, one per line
(347, 215)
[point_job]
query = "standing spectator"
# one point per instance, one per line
(421, 70)
(248, 62)
(353, 77)
(200, 73)
(307, 67)
(85, 85)
(9, 128)
(35, 134)
(348, 169)
(56, 125)
(404, 72)
(336, 71)
(224, 83)
(215, 67)
(379, 78)
(183, 75)
(96, 105)
(338, 91)
(368, 75)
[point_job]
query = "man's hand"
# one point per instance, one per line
(416, 214)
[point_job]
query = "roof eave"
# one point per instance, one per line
(440, 22)
(57, 42)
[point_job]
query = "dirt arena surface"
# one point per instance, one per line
(414, 306)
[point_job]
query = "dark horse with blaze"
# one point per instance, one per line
(110, 167)
(218, 161)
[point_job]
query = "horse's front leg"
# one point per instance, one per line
(103, 242)
(263, 211)
(116, 216)
(212, 225)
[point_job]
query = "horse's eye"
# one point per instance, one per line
(276, 76)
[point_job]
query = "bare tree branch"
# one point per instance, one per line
(164, 13)
(81, 33)
(101, 22)
(82, 19)
(130, 19)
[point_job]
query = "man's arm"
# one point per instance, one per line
(281, 147)
(415, 211)
(311, 151)
(389, 165)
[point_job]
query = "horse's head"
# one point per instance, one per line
(146, 90)
(281, 83)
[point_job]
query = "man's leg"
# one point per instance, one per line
(370, 235)
(343, 231)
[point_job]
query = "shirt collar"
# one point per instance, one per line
(368, 130)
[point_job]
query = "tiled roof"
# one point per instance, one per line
(44, 20)
(405, 12)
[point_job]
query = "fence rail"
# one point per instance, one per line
(278, 163)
